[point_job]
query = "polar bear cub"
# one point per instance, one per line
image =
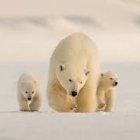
(106, 91)
(28, 93)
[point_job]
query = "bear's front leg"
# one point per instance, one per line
(73, 106)
(36, 103)
(101, 100)
(60, 101)
(24, 106)
(110, 100)
(86, 100)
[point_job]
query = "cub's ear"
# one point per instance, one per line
(61, 67)
(87, 73)
(102, 74)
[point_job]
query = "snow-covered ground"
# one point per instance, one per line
(124, 123)
(26, 44)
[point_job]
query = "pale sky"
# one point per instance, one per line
(44, 7)
(117, 34)
(61, 7)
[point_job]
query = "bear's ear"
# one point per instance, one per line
(61, 67)
(87, 73)
(102, 74)
(35, 81)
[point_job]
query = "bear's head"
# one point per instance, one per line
(109, 79)
(71, 79)
(29, 89)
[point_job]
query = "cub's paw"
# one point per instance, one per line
(108, 110)
(24, 110)
(33, 110)
(102, 105)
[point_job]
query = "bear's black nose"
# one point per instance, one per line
(29, 98)
(116, 83)
(73, 93)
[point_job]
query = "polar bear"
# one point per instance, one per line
(106, 91)
(28, 93)
(73, 75)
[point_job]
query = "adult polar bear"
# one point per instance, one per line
(74, 75)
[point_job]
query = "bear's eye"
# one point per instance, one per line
(32, 92)
(81, 82)
(111, 78)
(70, 80)
(26, 92)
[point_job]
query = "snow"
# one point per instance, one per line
(54, 126)
(26, 44)
(48, 124)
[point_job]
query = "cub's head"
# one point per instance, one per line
(72, 79)
(109, 79)
(28, 89)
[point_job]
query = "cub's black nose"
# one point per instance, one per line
(116, 83)
(73, 93)
(29, 98)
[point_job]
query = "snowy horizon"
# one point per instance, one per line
(40, 35)
(114, 25)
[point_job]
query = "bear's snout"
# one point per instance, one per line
(74, 93)
(29, 98)
(116, 83)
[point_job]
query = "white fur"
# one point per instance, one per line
(74, 66)
(106, 92)
(28, 87)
